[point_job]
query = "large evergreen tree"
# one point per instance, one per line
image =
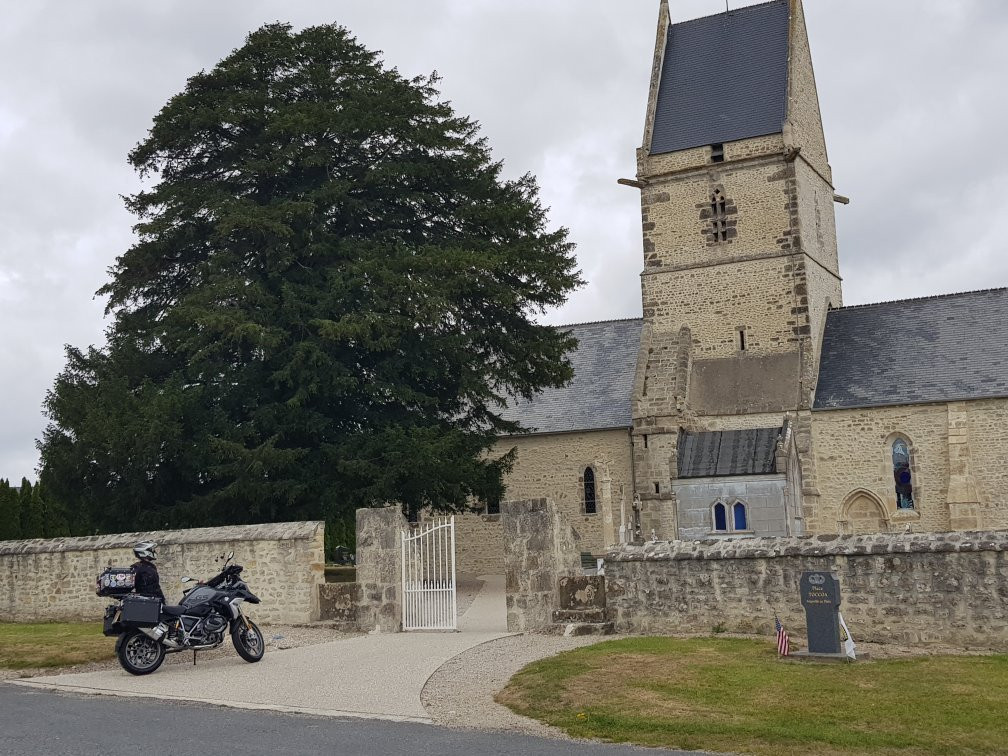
(10, 512)
(331, 291)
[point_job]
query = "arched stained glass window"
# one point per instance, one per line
(589, 491)
(741, 521)
(720, 517)
(902, 475)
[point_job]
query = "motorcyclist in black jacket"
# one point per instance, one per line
(147, 582)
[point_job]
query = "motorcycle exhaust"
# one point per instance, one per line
(157, 632)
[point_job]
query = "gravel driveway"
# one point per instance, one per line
(460, 693)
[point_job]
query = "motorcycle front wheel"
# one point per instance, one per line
(248, 640)
(139, 654)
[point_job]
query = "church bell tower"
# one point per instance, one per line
(740, 252)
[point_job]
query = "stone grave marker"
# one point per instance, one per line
(820, 595)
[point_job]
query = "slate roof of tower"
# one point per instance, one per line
(935, 349)
(724, 78)
(710, 454)
(599, 394)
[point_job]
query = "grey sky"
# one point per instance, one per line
(912, 95)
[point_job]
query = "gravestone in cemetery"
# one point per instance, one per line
(820, 595)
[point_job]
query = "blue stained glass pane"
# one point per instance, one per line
(720, 518)
(740, 518)
(902, 474)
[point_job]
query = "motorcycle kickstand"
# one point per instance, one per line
(194, 657)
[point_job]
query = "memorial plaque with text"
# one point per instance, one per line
(820, 595)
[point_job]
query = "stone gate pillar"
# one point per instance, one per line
(379, 568)
(540, 547)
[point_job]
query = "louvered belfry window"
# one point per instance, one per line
(719, 216)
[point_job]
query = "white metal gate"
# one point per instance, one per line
(428, 576)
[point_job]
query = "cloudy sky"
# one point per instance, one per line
(912, 96)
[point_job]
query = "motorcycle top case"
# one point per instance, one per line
(140, 611)
(115, 581)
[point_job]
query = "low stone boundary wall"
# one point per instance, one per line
(54, 580)
(949, 588)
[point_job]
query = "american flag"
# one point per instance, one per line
(782, 638)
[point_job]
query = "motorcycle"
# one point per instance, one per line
(147, 629)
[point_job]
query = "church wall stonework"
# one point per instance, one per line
(700, 157)
(743, 422)
(987, 433)
(676, 213)
(804, 119)
(551, 466)
(853, 452)
(479, 544)
(716, 301)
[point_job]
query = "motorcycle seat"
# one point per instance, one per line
(175, 611)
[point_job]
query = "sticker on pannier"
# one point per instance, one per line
(115, 581)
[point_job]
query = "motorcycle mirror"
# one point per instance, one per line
(187, 580)
(230, 555)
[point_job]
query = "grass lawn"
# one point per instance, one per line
(726, 694)
(55, 644)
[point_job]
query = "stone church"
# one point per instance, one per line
(748, 400)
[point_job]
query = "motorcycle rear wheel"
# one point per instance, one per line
(248, 641)
(139, 654)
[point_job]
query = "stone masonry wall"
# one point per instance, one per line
(908, 588)
(552, 466)
(956, 459)
(540, 548)
(804, 126)
(54, 580)
(986, 428)
(479, 545)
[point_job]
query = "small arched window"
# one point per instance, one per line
(589, 491)
(741, 519)
(902, 475)
(720, 517)
(719, 216)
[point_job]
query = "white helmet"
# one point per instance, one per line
(145, 550)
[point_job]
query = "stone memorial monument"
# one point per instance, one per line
(820, 595)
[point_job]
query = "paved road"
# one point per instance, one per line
(34, 721)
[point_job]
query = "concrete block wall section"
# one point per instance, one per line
(917, 588)
(54, 580)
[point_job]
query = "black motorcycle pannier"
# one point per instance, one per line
(140, 611)
(115, 581)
